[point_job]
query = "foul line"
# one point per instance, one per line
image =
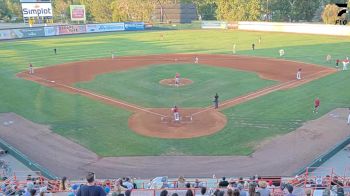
(97, 95)
(262, 92)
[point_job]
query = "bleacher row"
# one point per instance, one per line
(305, 184)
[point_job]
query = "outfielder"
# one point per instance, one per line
(299, 74)
(234, 49)
(177, 79)
(31, 70)
(113, 54)
(281, 52)
(345, 63)
(176, 114)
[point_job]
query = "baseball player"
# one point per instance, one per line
(31, 69)
(328, 58)
(176, 114)
(234, 49)
(113, 54)
(177, 79)
(55, 51)
(337, 64)
(196, 60)
(317, 105)
(253, 46)
(281, 52)
(345, 63)
(349, 117)
(216, 101)
(299, 74)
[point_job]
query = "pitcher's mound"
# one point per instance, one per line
(190, 125)
(171, 82)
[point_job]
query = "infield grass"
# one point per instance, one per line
(143, 87)
(104, 129)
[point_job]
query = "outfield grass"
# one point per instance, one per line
(143, 86)
(104, 129)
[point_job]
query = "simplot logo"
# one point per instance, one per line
(37, 10)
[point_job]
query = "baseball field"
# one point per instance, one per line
(118, 107)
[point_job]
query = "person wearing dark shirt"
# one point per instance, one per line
(223, 183)
(90, 189)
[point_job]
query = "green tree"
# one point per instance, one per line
(330, 14)
(253, 10)
(60, 9)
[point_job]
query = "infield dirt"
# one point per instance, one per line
(204, 121)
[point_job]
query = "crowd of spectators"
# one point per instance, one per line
(255, 186)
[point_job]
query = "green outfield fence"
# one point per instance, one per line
(26, 161)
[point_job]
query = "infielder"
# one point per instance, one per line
(281, 52)
(328, 58)
(113, 54)
(196, 60)
(31, 70)
(345, 63)
(177, 79)
(176, 114)
(299, 74)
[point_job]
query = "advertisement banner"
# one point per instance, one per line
(36, 9)
(51, 31)
(71, 29)
(134, 26)
(214, 25)
(6, 34)
(29, 32)
(105, 27)
(77, 13)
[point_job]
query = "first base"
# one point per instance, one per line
(52, 81)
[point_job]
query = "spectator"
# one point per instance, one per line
(229, 192)
(221, 193)
(175, 194)
(32, 192)
(241, 181)
(63, 184)
(279, 191)
(290, 190)
(326, 192)
(308, 192)
(181, 182)
(128, 184)
(263, 189)
(203, 190)
(251, 189)
(189, 192)
(197, 184)
(90, 189)
(164, 193)
(127, 192)
(216, 192)
(236, 192)
(223, 183)
(232, 184)
(241, 190)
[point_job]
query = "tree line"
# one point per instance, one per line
(228, 10)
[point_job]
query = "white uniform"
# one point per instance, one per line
(281, 52)
(299, 75)
(345, 64)
(31, 70)
(176, 114)
(196, 60)
(234, 49)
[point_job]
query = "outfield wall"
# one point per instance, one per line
(22, 33)
(321, 29)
